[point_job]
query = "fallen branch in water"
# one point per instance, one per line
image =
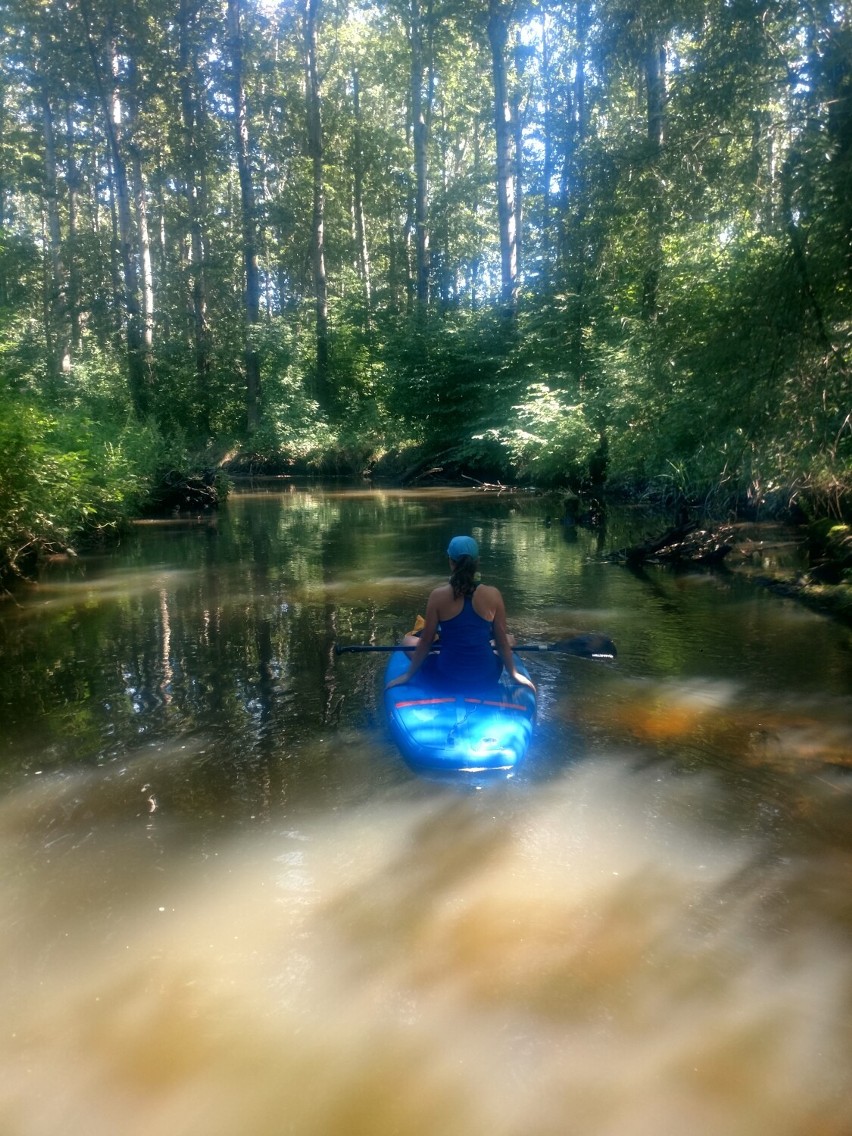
(488, 486)
(686, 544)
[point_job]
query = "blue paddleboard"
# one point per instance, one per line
(454, 729)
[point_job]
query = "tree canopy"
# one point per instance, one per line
(548, 239)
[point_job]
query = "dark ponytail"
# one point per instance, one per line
(463, 579)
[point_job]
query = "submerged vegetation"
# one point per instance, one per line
(601, 246)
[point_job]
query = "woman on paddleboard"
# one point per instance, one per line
(468, 616)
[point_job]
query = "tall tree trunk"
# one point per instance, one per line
(362, 258)
(72, 181)
(315, 152)
(419, 135)
(408, 262)
(476, 263)
(4, 128)
(445, 278)
(138, 360)
(140, 201)
(498, 35)
(57, 329)
(655, 84)
(547, 82)
(574, 199)
(117, 315)
(518, 139)
(248, 214)
(192, 122)
(397, 290)
(147, 281)
(571, 188)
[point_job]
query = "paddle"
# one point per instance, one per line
(591, 645)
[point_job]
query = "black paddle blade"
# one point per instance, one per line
(592, 645)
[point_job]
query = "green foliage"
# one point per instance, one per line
(550, 438)
(293, 427)
(22, 359)
(67, 475)
(450, 376)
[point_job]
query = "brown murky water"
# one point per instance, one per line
(228, 907)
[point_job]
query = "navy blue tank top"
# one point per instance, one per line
(466, 653)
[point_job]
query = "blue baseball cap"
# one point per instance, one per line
(461, 546)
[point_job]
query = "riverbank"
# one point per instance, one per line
(829, 599)
(806, 563)
(783, 560)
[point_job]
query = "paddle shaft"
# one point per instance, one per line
(359, 648)
(592, 646)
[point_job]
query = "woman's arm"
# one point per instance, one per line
(504, 647)
(424, 645)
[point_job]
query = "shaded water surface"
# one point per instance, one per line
(227, 906)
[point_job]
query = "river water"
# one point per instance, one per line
(227, 906)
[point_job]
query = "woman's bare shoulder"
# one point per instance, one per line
(441, 594)
(489, 591)
(487, 601)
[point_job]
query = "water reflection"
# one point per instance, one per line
(227, 906)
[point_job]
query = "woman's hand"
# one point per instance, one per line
(522, 680)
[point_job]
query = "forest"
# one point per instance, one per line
(598, 244)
